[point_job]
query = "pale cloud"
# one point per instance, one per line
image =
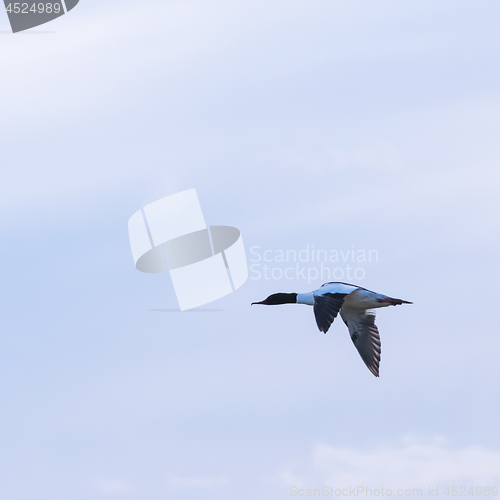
(412, 463)
(197, 482)
(113, 486)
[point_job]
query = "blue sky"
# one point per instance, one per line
(333, 124)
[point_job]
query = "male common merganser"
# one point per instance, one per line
(355, 304)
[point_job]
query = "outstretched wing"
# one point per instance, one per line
(326, 308)
(365, 336)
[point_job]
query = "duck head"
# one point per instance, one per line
(279, 298)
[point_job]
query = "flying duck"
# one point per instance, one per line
(355, 305)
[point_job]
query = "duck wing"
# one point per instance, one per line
(326, 308)
(364, 335)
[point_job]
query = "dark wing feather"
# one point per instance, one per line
(326, 308)
(365, 336)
